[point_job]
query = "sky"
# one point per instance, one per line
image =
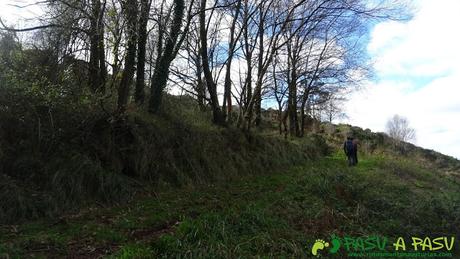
(417, 73)
(12, 15)
(417, 76)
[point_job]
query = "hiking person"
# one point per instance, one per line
(355, 151)
(349, 149)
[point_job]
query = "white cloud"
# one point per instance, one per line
(423, 46)
(12, 14)
(417, 66)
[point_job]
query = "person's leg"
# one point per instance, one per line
(350, 160)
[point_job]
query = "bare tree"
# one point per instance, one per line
(187, 71)
(275, 19)
(398, 128)
(248, 45)
(169, 43)
(332, 109)
(218, 117)
(131, 10)
(114, 26)
(279, 91)
(97, 68)
(227, 106)
(141, 51)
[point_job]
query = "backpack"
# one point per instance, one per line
(349, 147)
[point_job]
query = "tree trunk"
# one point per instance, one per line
(292, 110)
(139, 94)
(302, 120)
(247, 88)
(116, 52)
(228, 80)
(200, 88)
(95, 81)
(102, 66)
(161, 72)
(130, 57)
(305, 97)
(260, 73)
(292, 92)
(101, 45)
(280, 119)
(218, 117)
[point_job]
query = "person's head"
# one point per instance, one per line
(349, 138)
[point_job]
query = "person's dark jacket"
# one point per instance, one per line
(349, 147)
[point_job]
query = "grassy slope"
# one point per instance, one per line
(277, 214)
(107, 161)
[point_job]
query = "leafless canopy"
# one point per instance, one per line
(398, 128)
